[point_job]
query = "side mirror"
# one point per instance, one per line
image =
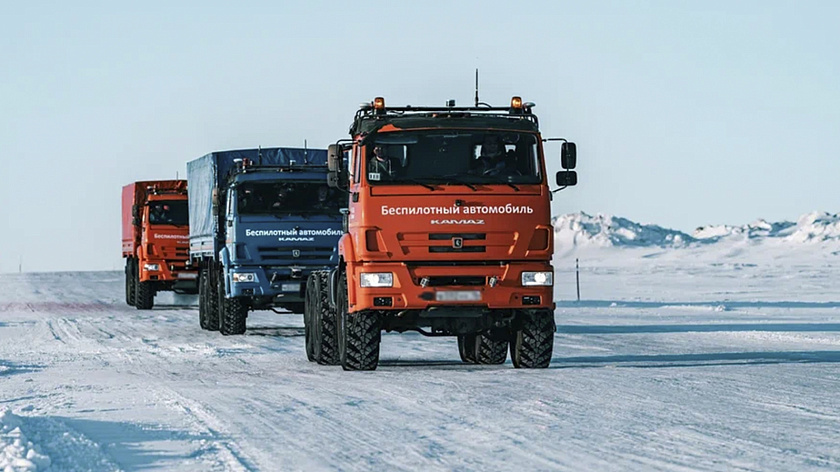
(333, 158)
(135, 215)
(332, 179)
(568, 155)
(567, 178)
(215, 202)
(333, 165)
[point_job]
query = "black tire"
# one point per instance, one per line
(203, 285)
(129, 281)
(308, 306)
(489, 350)
(466, 348)
(321, 336)
(211, 302)
(533, 343)
(232, 312)
(359, 334)
(144, 293)
(233, 315)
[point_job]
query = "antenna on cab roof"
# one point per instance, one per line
(305, 153)
(477, 102)
(476, 87)
(259, 155)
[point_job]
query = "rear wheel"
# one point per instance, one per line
(533, 343)
(232, 311)
(320, 321)
(359, 334)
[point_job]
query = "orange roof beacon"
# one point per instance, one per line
(447, 233)
(155, 241)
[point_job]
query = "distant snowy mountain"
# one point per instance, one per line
(584, 230)
(581, 229)
(810, 227)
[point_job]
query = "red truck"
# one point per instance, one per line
(448, 233)
(155, 241)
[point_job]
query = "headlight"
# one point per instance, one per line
(543, 279)
(377, 279)
(152, 267)
(243, 277)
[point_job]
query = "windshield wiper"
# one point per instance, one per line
(453, 178)
(415, 182)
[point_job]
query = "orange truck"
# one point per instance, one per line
(447, 233)
(155, 241)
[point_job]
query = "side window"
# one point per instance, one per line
(357, 162)
(231, 196)
(348, 162)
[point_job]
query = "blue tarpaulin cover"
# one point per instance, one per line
(211, 171)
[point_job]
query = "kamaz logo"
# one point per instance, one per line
(457, 222)
(457, 243)
(295, 252)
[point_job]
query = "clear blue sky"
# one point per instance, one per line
(685, 113)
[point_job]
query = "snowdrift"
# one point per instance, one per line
(580, 230)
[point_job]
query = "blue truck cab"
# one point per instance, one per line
(261, 220)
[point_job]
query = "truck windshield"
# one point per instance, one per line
(454, 157)
(288, 198)
(169, 212)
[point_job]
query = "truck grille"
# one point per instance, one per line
(287, 253)
(464, 236)
(462, 280)
(455, 243)
(438, 249)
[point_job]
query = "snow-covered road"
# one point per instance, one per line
(668, 366)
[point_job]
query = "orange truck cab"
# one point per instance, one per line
(155, 241)
(447, 233)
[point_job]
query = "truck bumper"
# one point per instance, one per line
(477, 286)
(171, 275)
(274, 286)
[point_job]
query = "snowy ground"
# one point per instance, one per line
(677, 359)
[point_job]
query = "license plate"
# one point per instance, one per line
(188, 275)
(290, 287)
(458, 296)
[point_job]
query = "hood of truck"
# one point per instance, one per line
(271, 241)
(498, 225)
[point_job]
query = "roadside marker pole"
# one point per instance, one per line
(577, 278)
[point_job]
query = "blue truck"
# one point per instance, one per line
(261, 220)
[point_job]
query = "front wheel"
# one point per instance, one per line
(466, 348)
(489, 350)
(232, 312)
(144, 293)
(129, 281)
(203, 293)
(359, 334)
(533, 342)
